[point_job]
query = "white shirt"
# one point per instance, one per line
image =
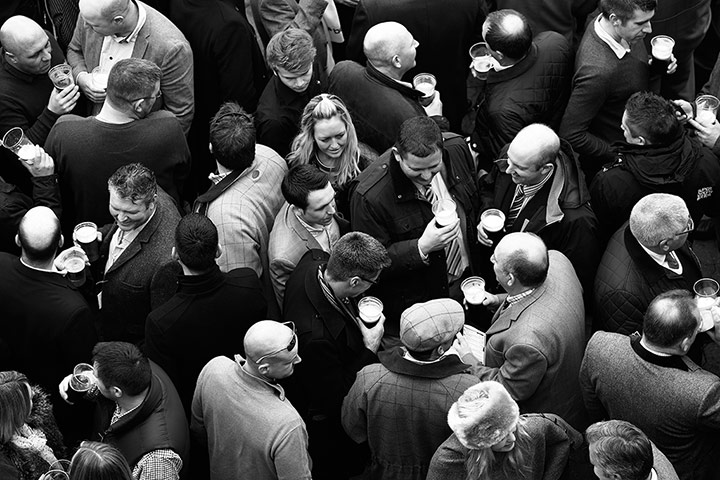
(116, 48)
(620, 49)
(662, 261)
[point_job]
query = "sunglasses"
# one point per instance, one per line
(289, 347)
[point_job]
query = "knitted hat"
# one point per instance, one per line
(425, 326)
(483, 415)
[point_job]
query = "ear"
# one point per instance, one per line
(219, 251)
(511, 279)
(641, 140)
(396, 62)
(263, 369)
(174, 254)
(210, 147)
(664, 245)
(116, 392)
(614, 20)
(11, 57)
(354, 281)
(118, 19)
(546, 168)
(440, 350)
(61, 242)
(17, 240)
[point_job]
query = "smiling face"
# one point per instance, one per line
(128, 214)
(420, 170)
(506, 444)
(330, 136)
(522, 166)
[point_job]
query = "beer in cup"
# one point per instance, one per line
(706, 107)
(61, 76)
(16, 141)
(370, 309)
(482, 61)
(85, 235)
(473, 289)
(82, 380)
(75, 267)
(445, 213)
(706, 291)
(426, 83)
(492, 222)
(662, 47)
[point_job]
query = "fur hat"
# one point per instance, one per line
(425, 326)
(483, 415)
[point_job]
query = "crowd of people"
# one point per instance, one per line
(200, 198)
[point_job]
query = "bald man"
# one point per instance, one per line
(532, 86)
(535, 343)
(46, 324)
(241, 415)
(538, 185)
(378, 100)
(27, 97)
(112, 30)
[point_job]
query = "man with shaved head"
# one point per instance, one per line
(112, 30)
(535, 343)
(531, 85)
(27, 96)
(377, 97)
(46, 326)
(538, 185)
(240, 413)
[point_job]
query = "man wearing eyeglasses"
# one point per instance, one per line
(240, 413)
(647, 256)
(123, 132)
(334, 343)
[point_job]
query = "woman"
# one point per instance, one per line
(491, 440)
(29, 438)
(327, 139)
(99, 461)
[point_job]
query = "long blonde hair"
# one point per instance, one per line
(304, 148)
(483, 463)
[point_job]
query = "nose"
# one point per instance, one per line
(299, 82)
(510, 169)
(297, 360)
(426, 175)
(511, 438)
(648, 28)
(46, 55)
(332, 208)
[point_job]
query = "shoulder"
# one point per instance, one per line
(375, 176)
(161, 28)
(268, 160)
(218, 366)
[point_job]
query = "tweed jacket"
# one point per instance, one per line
(158, 41)
(674, 401)
(289, 241)
(535, 346)
(400, 408)
(142, 278)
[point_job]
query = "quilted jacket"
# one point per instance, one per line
(628, 279)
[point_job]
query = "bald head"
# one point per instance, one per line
(537, 143)
(266, 336)
(508, 32)
(109, 17)
(39, 235)
(524, 256)
(27, 46)
(387, 43)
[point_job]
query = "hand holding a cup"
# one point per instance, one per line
(435, 108)
(63, 101)
(41, 165)
(372, 336)
(436, 237)
(61, 260)
(90, 88)
(707, 133)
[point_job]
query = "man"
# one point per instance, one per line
(658, 156)
(135, 269)
(531, 84)
(620, 450)
(540, 188)
(566, 17)
(635, 378)
(124, 131)
(334, 343)
(228, 67)
(47, 326)
(290, 55)
(112, 30)
(708, 133)
(535, 358)
(27, 97)
(245, 196)
(138, 411)
(201, 321)
(14, 203)
(378, 100)
(240, 413)
(644, 258)
(307, 221)
(611, 49)
(446, 30)
(394, 201)
(399, 406)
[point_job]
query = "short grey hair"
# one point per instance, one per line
(657, 217)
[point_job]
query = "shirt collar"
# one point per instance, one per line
(516, 298)
(142, 16)
(50, 270)
(307, 226)
(241, 362)
(620, 49)
(531, 190)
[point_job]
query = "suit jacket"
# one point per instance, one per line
(674, 401)
(535, 346)
(158, 41)
(289, 241)
(142, 278)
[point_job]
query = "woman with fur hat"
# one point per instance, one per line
(491, 440)
(29, 438)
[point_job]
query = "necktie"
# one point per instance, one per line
(515, 207)
(672, 261)
(453, 254)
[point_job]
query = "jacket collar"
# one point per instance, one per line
(449, 365)
(505, 317)
(334, 321)
(380, 77)
(672, 361)
(649, 267)
(655, 166)
(516, 70)
(300, 230)
(143, 237)
(149, 404)
(198, 284)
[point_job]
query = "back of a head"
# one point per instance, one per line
(132, 79)
(671, 317)
(15, 401)
(300, 181)
(652, 117)
(99, 461)
(122, 365)
(624, 9)
(292, 50)
(196, 242)
(419, 136)
(357, 254)
(135, 182)
(381, 42)
(39, 235)
(657, 217)
(620, 450)
(539, 142)
(509, 32)
(232, 136)
(263, 337)
(526, 257)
